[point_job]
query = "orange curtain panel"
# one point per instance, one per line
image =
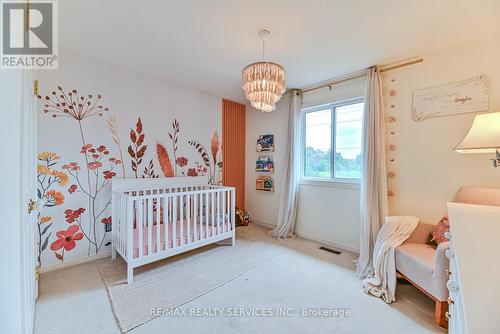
(233, 150)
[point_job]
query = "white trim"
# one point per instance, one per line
(75, 262)
(313, 238)
(330, 183)
(269, 226)
(327, 242)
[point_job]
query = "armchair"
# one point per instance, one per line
(425, 265)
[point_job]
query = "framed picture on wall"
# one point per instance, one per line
(265, 143)
(264, 164)
(264, 183)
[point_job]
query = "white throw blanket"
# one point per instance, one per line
(393, 233)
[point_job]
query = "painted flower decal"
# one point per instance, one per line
(108, 175)
(54, 198)
(192, 172)
(45, 219)
(94, 165)
(72, 166)
(106, 220)
(41, 169)
(60, 176)
(67, 239)
(72, 189)
(72, 215)
(48, 156)
(115, 161)
(181, 161)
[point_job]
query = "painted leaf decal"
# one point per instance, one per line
(45, 229)
(137, 150)
(214, 145)
(141, 152)
(133, 136)
(139, 125)
(164, 160)
(46, 242)
(140, 140)
(131, 152)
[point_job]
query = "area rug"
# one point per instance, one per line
(173, 282)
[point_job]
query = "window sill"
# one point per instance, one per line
(331, 183)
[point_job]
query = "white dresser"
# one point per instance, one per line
(474, 275)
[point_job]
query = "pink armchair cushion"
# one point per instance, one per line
(480, 196)
(439, 230)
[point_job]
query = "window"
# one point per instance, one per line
(335, 128)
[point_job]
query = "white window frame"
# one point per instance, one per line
(332, 181)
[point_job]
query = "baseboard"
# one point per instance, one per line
(327, 242)
(75, 262)
(314, 238)
(269, 226)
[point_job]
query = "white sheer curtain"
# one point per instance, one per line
(290, 185)
(374, 181)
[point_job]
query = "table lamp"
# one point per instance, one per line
(483, 136)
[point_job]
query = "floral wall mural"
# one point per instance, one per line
(82, 148)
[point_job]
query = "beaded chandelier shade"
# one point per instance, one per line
(263, 82)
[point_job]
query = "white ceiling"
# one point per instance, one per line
(204, 44)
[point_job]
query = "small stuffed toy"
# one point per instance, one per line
(242, 217)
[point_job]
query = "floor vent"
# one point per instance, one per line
(334, 251)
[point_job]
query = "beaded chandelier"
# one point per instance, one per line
(263, 82)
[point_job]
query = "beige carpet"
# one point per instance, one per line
(173, 282)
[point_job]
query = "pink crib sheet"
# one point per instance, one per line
(224, 226)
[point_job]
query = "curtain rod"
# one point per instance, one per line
(384, 68)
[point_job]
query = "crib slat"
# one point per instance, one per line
(150, 225)
(188, 213)
(224, 197)
(158, 224)
(233, 213)
(122, 215)
(181, 220)
(195, 215)
(165, 219)
(140, 215)
(218, 212)
(212, 209)
(206, 215)
(201, 215)
(174, 221)
(129, 227)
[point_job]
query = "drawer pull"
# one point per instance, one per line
(448, 272)
(447, 315)
(450, 301)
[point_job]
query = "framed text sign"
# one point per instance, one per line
(454, 98)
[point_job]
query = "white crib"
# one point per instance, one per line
(157, 218)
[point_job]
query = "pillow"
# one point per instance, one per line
(440, 229)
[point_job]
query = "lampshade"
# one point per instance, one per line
(483, 135)
(263, 82)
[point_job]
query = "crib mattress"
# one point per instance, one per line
(224, 226)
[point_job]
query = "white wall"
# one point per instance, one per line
(428, 171)
(263, 205)
(11, 320)
(128, 96)
(327, 213)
